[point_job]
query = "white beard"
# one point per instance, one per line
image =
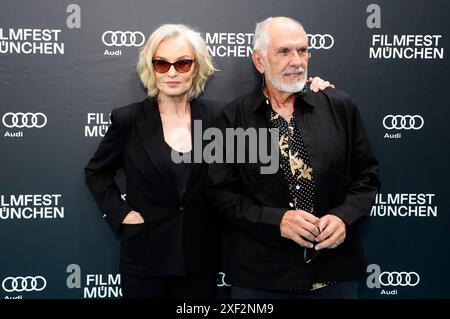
(280, 86)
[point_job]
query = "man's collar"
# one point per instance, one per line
(305, 95)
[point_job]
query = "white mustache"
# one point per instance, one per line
(298, 70)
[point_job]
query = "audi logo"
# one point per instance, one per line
(320, 41)
(27, 283)
(406, 122)
(123, 38)
(401, 278)
(21, 120)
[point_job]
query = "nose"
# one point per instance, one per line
(172, 72)
(295, 59)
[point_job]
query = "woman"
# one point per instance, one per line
(170, 237)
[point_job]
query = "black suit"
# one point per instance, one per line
(179, 235)
(346, 182)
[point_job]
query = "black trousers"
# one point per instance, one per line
(199, 285)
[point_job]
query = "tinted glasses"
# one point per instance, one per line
(181, 66)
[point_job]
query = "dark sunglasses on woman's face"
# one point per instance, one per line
(181, 66)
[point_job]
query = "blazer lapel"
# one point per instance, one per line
(197, 113)
(150, 131)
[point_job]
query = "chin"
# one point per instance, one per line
(174, 93)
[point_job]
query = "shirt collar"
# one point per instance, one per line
(305, 95)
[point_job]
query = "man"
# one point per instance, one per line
(293, 234)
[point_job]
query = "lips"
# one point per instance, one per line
(296, 73)
(174, 83)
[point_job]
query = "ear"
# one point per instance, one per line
(258, 61)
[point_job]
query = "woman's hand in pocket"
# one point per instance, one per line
(133, 217)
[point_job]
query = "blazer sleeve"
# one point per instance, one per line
(363, 171)
(236, 207)
(101, 170)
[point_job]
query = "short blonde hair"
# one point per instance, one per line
(203, 59)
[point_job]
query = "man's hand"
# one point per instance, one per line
(300, 226)
(317, 84)
(332, 232)
(133, 217)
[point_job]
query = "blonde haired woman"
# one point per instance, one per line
(169, 237)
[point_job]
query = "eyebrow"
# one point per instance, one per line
(183, 57)
(288, 48)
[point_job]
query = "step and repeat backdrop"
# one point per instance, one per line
(65, 65)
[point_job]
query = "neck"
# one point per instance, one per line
(280, 100)
(177, 106)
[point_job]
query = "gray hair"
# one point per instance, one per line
(261, 38)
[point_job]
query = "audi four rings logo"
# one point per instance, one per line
(21, 120)
(405, 122)
(320, 41)
(28, 283)
(123, 38)
(401, 278)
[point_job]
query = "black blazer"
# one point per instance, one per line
(179, 235)
(346, 182)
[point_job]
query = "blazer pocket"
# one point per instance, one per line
(133, 243)
(132, 230)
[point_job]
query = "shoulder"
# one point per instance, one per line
(211, 108)
(210, 104)
(126, 115)
(243, 103)
(336, 98)
(245, 100)
(332, 100)
(338, 95)
(129, 111)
